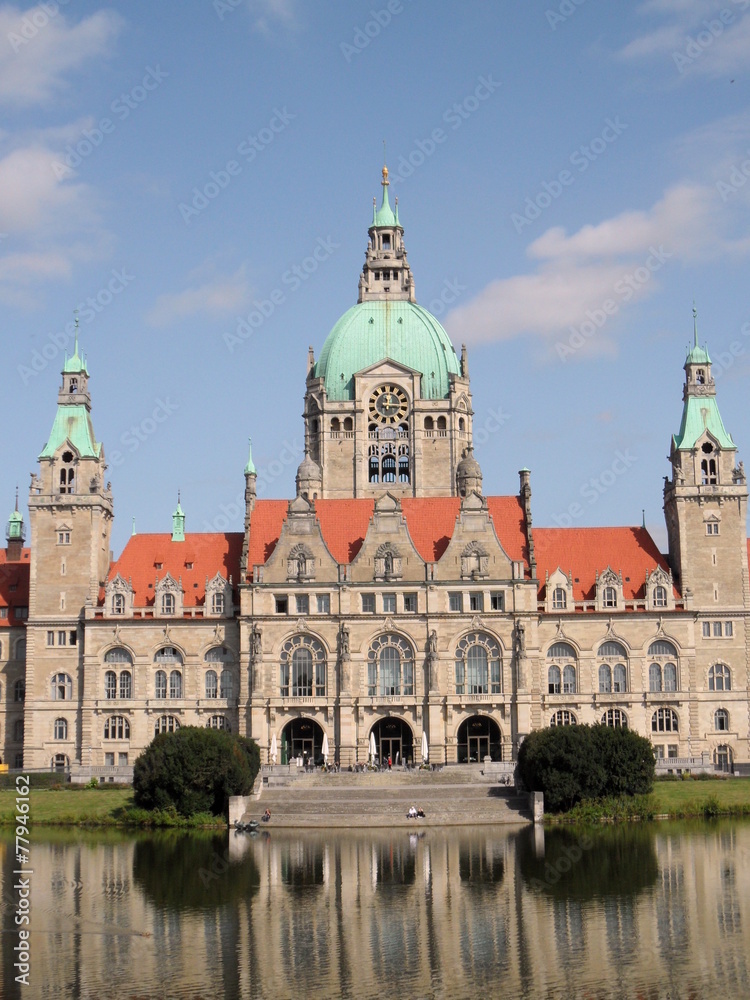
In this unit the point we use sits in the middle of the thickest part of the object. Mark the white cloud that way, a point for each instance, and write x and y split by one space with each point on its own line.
38 49
617 261
213 299
699 37
270 14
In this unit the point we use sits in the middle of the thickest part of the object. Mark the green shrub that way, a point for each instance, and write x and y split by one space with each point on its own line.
194 770
572 763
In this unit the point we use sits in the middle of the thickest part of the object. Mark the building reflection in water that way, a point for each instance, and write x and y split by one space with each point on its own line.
660 909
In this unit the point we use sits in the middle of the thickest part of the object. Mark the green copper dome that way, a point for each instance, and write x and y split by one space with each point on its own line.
397 329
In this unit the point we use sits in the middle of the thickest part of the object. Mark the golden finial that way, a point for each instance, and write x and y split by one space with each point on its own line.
385 182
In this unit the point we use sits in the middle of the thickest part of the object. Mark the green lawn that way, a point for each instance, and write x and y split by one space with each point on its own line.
67 806
673 796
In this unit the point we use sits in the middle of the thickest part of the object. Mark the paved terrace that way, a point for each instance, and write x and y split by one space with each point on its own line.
455 796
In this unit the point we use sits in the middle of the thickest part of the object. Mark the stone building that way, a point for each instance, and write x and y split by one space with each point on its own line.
390 598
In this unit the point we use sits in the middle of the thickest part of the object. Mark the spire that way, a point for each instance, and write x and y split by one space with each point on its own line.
386 274
250 469
384 216
698 355
178 522
16 530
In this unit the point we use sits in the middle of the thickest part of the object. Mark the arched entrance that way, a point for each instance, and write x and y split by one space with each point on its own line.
302 738
479 737
394 739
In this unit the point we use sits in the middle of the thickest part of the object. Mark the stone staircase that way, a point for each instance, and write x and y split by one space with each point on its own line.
455 796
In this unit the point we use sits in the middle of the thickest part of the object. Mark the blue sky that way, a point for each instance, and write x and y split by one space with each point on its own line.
571 175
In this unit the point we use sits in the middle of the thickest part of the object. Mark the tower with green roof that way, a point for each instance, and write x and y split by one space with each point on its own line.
705 501
388 402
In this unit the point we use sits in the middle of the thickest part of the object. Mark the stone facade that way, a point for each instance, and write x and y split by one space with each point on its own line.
390 599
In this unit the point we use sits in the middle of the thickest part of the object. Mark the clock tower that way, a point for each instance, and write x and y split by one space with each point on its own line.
388 403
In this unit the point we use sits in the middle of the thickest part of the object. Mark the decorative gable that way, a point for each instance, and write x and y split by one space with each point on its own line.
118 598
659 590
168 597
388 562
219 597
559 591
609 593
474 562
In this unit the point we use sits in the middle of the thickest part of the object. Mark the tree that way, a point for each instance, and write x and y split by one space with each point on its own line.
570 763
194 770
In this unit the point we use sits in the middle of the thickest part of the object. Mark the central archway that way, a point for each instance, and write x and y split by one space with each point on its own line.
479 737
395 739
302 738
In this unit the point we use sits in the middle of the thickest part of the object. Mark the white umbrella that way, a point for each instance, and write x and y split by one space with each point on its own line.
425 748
373 748
324 748
273 753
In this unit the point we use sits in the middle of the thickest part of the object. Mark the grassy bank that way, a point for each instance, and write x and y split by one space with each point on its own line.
676 799
94 807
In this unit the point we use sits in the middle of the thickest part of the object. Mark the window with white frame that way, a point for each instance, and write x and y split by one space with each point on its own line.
563 718
61 729
615 718
721 720
62 687
719 678
390 666
559 599
166 724
561 671
478 665
302 668
116 727
664 720
218 722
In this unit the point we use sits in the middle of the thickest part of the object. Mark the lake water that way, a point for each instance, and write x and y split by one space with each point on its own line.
651 911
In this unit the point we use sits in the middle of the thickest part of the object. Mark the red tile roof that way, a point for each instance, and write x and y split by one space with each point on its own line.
584 551
209 554
14 586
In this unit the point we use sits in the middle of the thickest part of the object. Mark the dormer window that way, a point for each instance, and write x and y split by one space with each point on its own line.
167 604
559 599
118 604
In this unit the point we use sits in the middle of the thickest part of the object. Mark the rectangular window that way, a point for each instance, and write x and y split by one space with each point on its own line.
497 600
281 604
389 604
717 629
728 629
460 676
61 638
712 528
21 612
122 759
50 638
659 751
3 612
303 604
63 538
284 680
109 760
73 638
706 630
671 750
476 602
368 604
410 602
324 604
455 601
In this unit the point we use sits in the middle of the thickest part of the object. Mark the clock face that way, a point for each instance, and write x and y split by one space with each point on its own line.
388 404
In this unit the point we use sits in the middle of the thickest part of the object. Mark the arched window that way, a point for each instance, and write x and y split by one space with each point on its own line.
478 665
167 604
719 678
118 604
723 758
429 425
554 685
218 722
21 649
168 654
160 684
660 597
721 720
390 667
662 674
441 424
226 688
67 473
612 672
19 690
610 597
60 762
664 720
563 718
335 427
62 687
302 668
61 729
615 718
166 724
116 727
670 677
654 677
348 424
126 684
18 731
175 684
212 684
110 684
561 675
118 655
605 679
559 599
